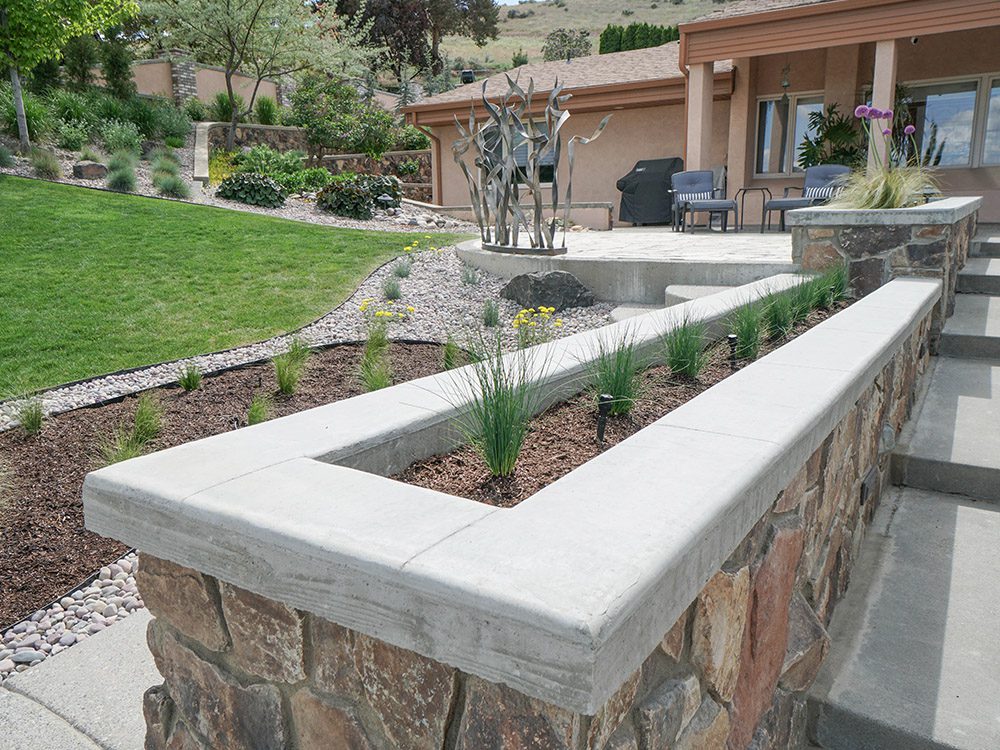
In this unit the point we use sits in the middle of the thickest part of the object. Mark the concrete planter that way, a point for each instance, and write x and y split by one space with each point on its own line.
672 592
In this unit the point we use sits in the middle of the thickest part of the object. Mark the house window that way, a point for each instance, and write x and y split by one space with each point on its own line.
546 169
991 140
944 115
782 125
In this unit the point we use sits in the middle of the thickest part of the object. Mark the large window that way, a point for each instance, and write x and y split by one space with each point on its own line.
546 169
782 124
991 139
944 115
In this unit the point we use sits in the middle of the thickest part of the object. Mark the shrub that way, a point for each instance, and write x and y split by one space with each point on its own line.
35 112
122 160
89 154
747 323
143 113
45 164
779 317
119 135
401 269
116 65
451 354
220 110
408 168
72 135
502 397
172 123
684 349
190 378
30 415
122 180
165 152
174 141
347 195
265 110
172 186
165 165
615 370
103 106
470 276
288 367
220 166
412 139
535 326
260 409
252 189
310 180
70 106
195 109
391 288
148 418
267 161
491 314
6 157
80 56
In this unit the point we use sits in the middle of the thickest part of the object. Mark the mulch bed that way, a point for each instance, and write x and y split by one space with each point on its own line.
44 548
564 436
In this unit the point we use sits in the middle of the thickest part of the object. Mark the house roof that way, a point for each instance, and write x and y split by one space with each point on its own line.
750 7
650 64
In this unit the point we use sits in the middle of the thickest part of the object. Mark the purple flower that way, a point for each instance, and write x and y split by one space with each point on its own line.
874 113
861 111
909 130
887 131
887 114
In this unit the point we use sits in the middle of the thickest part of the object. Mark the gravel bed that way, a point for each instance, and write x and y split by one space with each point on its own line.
442 304
88 610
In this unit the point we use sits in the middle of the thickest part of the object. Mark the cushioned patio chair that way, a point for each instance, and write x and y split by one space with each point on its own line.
695 192
822 183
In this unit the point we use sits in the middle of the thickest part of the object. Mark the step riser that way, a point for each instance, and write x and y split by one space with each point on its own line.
970 347
844 730
968 284
984 249
976 482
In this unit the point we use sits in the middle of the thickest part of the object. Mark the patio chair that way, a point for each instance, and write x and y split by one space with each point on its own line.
695 192
822 183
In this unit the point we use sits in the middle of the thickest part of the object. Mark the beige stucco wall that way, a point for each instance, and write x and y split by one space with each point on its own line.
212 81
153 78
631 135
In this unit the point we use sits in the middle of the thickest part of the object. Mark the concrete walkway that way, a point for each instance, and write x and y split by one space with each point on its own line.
703 246
87 698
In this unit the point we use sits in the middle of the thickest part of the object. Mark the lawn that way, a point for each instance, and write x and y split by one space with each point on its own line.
92 282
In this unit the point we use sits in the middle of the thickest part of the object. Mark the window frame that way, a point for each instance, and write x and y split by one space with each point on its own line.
793 100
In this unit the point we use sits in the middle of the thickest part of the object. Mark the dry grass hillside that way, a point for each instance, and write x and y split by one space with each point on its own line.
542 16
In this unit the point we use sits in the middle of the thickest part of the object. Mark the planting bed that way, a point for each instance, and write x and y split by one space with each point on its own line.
44 548
564 436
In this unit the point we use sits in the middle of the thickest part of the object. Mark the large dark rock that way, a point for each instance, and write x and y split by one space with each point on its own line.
89 170
558 289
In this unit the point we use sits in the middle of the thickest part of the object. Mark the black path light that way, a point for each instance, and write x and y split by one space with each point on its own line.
732 339
604 402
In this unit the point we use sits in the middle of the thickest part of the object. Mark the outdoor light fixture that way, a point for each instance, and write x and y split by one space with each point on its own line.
731 338
604 402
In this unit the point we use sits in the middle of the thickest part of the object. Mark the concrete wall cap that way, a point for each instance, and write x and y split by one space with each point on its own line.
944 211
562 597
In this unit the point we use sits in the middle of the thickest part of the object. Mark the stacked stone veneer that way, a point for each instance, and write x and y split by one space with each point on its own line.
278 137
183 76
243 671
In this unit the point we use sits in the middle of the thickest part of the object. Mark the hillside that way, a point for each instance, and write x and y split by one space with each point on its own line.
536 18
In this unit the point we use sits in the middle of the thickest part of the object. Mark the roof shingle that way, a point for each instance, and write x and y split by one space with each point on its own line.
750 7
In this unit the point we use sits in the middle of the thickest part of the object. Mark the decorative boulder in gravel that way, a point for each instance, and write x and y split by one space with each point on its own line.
558 289
89 170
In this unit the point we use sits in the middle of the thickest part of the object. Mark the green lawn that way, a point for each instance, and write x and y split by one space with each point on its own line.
92 282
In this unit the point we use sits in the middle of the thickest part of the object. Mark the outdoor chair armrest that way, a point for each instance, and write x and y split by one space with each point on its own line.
716 192
790 188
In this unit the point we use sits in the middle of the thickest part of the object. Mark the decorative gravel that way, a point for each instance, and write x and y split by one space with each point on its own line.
88 610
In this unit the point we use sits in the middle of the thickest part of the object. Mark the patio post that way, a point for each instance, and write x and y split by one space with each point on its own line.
701 82
883 92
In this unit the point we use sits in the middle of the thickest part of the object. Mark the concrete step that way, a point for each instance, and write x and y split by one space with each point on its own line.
980 276
952 442
914 661
678 294
973 331
986 244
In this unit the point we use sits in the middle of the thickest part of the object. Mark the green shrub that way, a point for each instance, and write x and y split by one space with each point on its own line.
143 113
81 55
615 370
412 139
172 123
174 142
165 165
119 135
195 109
491 314
72 135
779 317
470 276
220 165
356 196
122 160
70 106
260 409
166 153
172 186
502 397
684 349
148 418
451 355
265 110
310 180
252 189
30 415
6 157
190 378
104 107
267 161
391 288
747 323
122 180
288 367
45 164
220 110
36 112
116 66
89 154
402 267
408 168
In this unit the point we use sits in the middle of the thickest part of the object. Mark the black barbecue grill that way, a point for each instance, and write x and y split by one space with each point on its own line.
646 194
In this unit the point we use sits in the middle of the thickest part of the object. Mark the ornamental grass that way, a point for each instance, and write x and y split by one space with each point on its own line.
615 370
684 349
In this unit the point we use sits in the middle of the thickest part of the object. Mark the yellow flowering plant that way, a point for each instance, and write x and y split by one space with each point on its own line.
536 326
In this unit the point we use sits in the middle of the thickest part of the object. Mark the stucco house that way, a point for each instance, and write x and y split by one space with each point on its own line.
737 90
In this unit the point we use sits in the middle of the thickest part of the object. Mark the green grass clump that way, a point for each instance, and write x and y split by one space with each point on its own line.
747 323
130 442
402 268
148 418
121 446
165 165
684 349
172 186
491 314
89 153
45 164
260 409
502 397
885 188
288 367
470 276
779 316
615 369
451 354
30 415
6 157
829 288
375 368
801 299
391 288
190 378
174 141
122 160
122 180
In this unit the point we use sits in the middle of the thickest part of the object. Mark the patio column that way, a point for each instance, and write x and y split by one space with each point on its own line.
701 82
883 92
740 118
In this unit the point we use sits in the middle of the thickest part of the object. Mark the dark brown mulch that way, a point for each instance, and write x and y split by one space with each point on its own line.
44 548
565 436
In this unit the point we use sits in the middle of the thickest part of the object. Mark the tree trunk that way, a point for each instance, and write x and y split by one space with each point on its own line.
22 120
437 64
234 113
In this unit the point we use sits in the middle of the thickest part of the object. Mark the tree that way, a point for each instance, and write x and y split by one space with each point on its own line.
476 19
80 56
116 64
32 31
263 39
611 39
398 28
564 44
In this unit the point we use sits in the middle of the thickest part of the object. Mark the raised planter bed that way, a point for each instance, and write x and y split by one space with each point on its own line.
511 250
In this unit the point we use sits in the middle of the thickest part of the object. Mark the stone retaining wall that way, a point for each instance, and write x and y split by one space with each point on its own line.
278 137
244 671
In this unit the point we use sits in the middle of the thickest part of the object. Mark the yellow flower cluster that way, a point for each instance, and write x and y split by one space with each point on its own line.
535 318
387 313
414 246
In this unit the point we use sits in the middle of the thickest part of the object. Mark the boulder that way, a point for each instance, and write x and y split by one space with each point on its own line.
89 170
558 289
